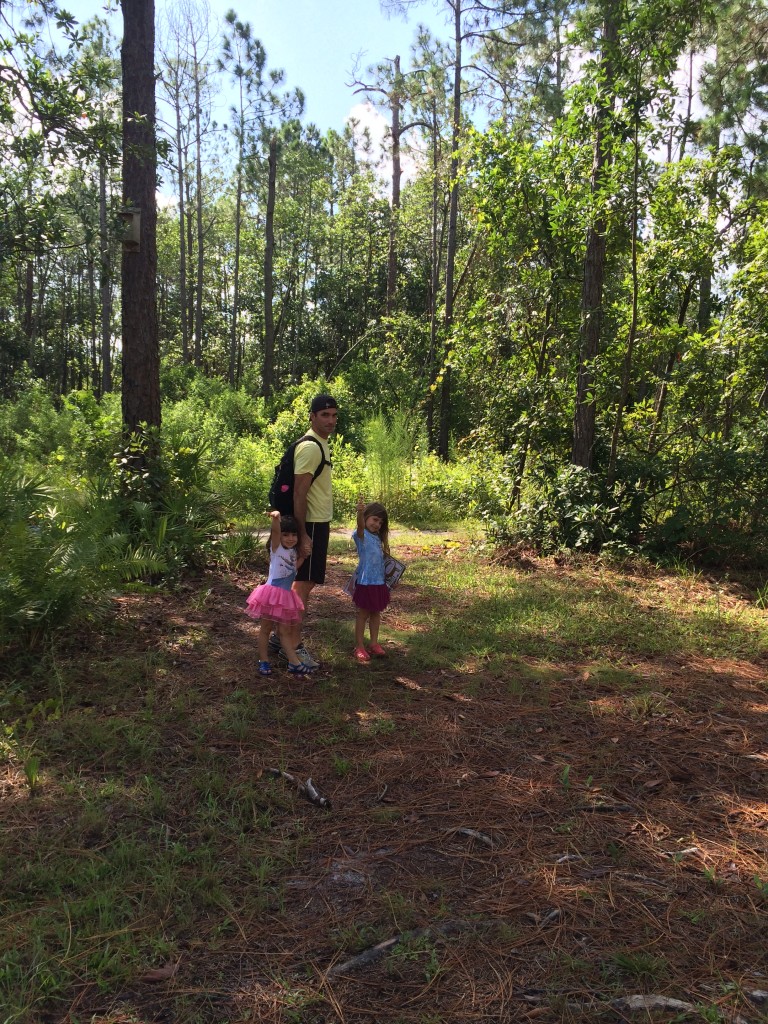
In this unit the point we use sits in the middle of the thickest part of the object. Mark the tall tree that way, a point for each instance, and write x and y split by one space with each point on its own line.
596 244
472 22
258 107
141 352
185 30
389 86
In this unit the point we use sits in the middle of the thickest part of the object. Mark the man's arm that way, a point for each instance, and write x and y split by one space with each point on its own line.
301 484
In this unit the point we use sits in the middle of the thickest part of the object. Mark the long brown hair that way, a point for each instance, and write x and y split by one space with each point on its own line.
377 509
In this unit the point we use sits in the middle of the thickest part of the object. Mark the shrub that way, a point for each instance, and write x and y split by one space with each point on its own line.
170 506
63 556
571 509
244 478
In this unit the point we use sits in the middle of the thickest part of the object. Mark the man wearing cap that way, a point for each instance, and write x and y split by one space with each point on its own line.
313 505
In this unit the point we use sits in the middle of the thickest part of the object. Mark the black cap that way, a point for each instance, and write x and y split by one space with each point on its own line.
322 402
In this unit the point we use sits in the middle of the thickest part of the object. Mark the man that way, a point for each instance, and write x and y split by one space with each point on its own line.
313 506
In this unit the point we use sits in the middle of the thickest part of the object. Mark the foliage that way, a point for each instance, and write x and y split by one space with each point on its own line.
571 510
677 381
64 556
168 504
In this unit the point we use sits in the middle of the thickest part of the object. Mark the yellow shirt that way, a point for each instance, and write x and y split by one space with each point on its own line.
306 459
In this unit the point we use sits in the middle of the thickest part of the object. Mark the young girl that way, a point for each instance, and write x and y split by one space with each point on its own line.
274 602
371 594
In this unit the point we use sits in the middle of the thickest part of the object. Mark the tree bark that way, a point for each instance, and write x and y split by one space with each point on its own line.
453 218
268 373
395 101
105 283
236 268
141 357
180 174
199 224
584 421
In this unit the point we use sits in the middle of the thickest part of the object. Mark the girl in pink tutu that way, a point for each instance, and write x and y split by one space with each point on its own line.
371 594
274 602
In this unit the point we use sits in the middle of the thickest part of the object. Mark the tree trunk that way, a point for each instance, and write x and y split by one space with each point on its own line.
236 271
183 296
632 336
65 286
661 397
453 217
584 421
94 346
141 357
434 283
190 308
268 373
199 223
105 284
394 103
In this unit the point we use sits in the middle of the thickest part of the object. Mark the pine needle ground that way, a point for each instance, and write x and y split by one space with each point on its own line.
547 803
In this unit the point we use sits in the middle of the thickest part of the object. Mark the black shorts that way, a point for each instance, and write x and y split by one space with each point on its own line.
313 568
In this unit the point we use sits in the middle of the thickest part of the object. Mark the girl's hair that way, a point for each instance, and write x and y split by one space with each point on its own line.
289 524
377 509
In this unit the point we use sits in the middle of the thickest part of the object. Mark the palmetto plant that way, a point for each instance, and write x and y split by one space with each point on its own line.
62 557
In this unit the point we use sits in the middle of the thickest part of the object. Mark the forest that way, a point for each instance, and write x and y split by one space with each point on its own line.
540 303
563 295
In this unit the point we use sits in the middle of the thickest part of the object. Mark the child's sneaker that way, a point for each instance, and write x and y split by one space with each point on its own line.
306 658
377 650
360 654
274 643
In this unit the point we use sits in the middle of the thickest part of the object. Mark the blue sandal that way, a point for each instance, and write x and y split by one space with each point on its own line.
265 669
299 669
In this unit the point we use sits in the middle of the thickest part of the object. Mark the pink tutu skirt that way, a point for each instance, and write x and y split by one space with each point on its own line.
371 597
268 602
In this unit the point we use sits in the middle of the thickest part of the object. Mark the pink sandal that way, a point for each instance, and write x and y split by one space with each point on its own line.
377 650
360 654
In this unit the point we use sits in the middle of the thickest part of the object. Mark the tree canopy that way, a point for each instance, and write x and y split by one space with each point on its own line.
571 272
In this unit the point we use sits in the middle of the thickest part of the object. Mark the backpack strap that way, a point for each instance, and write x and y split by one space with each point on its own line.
323 461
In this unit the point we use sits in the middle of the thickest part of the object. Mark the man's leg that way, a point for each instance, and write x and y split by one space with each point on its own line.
304 588
311 574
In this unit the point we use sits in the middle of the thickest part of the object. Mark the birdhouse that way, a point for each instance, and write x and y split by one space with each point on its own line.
131 218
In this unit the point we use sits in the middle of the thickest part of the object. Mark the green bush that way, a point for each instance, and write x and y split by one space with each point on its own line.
292 417
571 509
170 505
31 428
244 478
63 556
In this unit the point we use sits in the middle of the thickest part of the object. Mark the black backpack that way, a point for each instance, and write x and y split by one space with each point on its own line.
281 491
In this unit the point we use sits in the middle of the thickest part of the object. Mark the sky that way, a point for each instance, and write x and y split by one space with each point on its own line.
316 42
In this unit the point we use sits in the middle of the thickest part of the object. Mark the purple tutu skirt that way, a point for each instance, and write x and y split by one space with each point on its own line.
372 597
268 602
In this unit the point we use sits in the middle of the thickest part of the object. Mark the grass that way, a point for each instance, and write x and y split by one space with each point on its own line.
139 831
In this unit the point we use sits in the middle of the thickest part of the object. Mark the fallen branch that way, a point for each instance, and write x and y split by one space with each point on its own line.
312 795
306 789
605 808
473 834
375 953
649 1003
